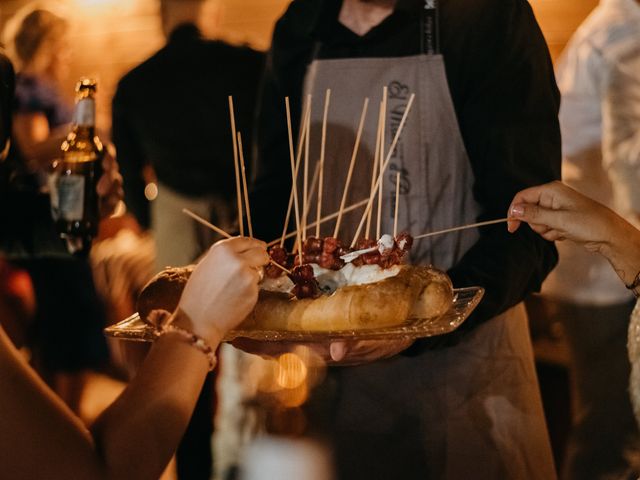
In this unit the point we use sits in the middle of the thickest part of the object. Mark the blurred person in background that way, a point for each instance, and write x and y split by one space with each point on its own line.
66 338
599 79
171 120
171 113
484 125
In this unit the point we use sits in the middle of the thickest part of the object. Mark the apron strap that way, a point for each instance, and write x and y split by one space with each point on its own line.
429 28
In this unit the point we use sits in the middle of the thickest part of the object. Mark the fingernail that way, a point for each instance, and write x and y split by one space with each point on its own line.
516 211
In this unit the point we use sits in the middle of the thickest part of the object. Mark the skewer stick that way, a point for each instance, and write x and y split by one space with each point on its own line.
395 214
244 185
351 165
290 206
350 208
305 183
201 220
464 227
236 165
374 174
387 160
312 190
210 225
327 99
293 178
382 134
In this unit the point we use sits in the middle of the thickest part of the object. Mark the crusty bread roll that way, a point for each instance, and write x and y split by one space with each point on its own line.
419 292
163 291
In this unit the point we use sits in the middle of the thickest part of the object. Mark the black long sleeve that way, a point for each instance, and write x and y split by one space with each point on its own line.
507 104
131 160
504 92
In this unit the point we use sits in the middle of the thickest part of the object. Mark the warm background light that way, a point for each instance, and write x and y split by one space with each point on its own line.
109 37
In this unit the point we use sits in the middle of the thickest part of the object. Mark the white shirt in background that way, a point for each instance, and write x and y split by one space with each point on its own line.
599 78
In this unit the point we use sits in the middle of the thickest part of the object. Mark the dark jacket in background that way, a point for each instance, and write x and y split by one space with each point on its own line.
505 96
172 112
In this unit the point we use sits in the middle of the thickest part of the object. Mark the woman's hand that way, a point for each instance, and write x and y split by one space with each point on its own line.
558 212
109 186
223 288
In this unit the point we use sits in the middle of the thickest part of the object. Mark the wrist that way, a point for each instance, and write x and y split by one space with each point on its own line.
623 252
211 333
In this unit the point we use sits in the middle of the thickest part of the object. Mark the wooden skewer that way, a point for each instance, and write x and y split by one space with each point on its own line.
293 178
312 190
382 134
210 225
464 227
305 179
395 214
201 220
350 208
327 99
244 185
290 206
277 265
236 164
387 160
351 165
374 172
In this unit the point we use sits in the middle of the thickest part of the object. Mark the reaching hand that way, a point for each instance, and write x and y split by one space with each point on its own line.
223 288
557 212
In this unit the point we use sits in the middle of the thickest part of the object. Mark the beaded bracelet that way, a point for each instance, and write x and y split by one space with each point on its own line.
635 286
161 319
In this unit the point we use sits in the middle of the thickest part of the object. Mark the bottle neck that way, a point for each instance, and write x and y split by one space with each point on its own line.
85 115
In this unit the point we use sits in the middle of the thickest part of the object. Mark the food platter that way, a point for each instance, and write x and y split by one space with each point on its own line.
465 301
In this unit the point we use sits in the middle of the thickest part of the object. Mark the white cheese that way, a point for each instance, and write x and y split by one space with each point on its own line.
280 284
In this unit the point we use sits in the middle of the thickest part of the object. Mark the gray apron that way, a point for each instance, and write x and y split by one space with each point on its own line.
469 411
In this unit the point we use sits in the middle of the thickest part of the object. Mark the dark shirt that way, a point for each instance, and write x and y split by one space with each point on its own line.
506 100
172 112
25 211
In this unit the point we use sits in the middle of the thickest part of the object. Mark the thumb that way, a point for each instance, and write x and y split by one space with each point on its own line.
531 213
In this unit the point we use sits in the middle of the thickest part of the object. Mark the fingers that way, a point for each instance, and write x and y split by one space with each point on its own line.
242 244
255 257
338 350
539 218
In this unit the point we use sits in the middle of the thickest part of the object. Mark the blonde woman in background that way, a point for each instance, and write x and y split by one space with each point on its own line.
66 336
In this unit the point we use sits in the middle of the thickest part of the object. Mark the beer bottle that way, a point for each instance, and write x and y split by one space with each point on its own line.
74 200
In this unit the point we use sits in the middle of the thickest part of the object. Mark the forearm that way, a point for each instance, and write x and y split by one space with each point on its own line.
149 418
623 250
41 438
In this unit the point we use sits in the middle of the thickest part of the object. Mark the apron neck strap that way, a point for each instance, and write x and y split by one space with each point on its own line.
429 28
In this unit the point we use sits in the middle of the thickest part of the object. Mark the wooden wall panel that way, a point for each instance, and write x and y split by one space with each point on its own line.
559 19
111 36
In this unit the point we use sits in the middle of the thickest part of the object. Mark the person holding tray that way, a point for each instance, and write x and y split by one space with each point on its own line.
482 127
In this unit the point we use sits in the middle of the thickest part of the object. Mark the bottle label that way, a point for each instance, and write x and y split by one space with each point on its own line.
67 198
85 112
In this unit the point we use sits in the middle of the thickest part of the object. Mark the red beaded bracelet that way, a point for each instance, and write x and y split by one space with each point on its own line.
162 319
635 286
